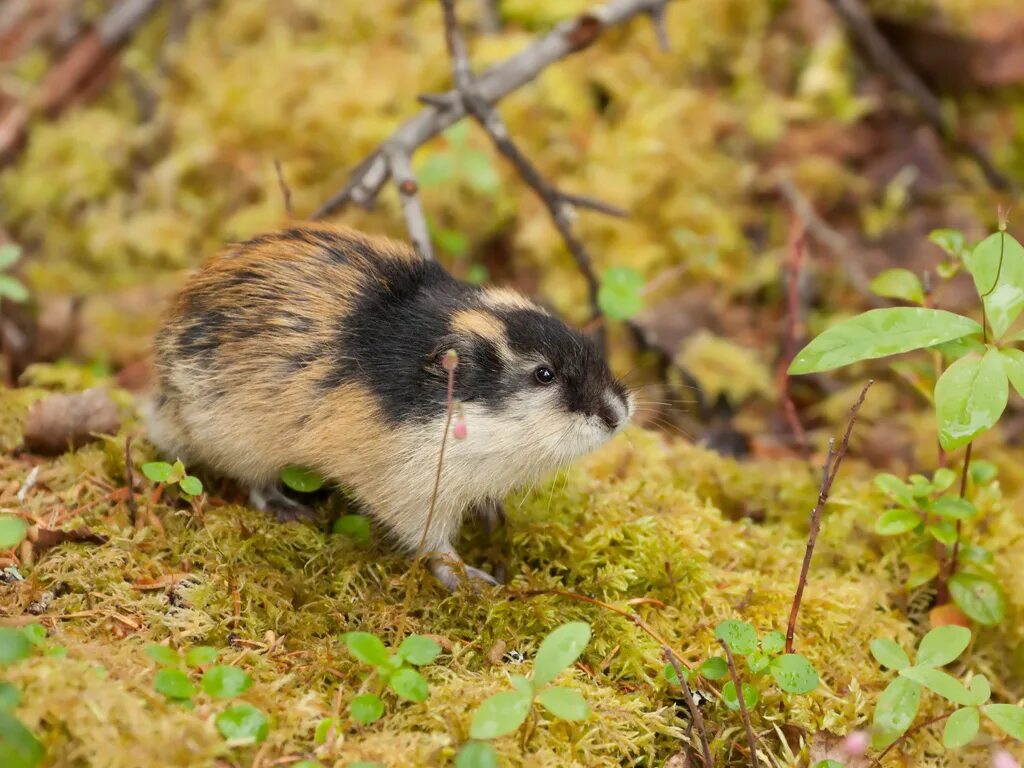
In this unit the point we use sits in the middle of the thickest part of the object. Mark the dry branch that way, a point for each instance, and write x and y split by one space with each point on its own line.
751 739
696 718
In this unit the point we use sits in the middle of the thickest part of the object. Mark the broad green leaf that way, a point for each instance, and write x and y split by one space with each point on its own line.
714 668
983 472
741 636
758 662
997 266
201 655
14 646
889 654
898 284
500 714
1013 364
949 240
367 648
35 633
564 703
9 253
419 650
409 684
943 532
943 479
893 522
162 655
922 574
480 172
366 709
794 674
620 293
939 682
522 684
173 683
13 531
953 508
10 696
476 754
980 597
1009 717
954 350
896 488
970 396
773 642
980 690
177 471
896 709
961 727
920 486
13 289
301 479
191 485
972 553
157 471
559 650
750 696
224 681
354 526
18 747
878 333
672 677
324 728
243 724
942 645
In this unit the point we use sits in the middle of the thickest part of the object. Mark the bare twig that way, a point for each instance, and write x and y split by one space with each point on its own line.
415 219
751 739
877 762
696 718
828 475
950 566
886 60
132 507
451 362
286 192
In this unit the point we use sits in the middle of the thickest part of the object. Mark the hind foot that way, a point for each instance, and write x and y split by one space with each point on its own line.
452 572
271 499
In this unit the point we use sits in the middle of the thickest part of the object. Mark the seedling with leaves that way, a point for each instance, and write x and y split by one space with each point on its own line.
505 712
19 748
10 287
899 703
173 474
181 678
395 671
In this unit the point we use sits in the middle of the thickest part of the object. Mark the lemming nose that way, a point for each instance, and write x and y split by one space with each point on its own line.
608 415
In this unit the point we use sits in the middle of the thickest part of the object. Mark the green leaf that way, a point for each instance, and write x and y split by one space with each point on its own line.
896 708
35 633
191 485
922 574
1013 364
954 350
476 754
201 655
409 684
889 654
997 265
564 703
243 723
436 169
173 683
750 696
162 655
920 486
9 254
898 284
10 696
522 684
980 690
741 636
324 728
878 333
970 396
366 709
559 650
14 646
828 764
307 764
758 662
13 531
773 643
983 472
13 289
500 714
480 171
980 597
225 682
301 479
943 479
620 293
794 674
367 648
939 682
354 526
1009 717
942 645
893 522
714 668
949 240
419 650
18 747
961 727
157 471
943 532
895 488
670 674
953 508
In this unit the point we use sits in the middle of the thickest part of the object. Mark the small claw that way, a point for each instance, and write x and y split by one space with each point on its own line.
453 576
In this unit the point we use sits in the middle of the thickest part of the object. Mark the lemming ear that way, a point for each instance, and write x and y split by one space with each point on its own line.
435 360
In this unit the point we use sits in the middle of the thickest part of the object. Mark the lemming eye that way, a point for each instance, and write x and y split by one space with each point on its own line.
544 375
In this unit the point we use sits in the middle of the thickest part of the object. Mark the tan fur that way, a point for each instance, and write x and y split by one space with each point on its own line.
505 297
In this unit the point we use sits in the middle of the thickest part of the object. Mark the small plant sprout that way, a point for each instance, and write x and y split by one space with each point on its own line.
505 712
173 474
19 748
13 531
395 671
620 295
898 705
10 287
302 479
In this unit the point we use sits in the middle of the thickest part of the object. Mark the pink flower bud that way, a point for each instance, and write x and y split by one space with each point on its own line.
1003 759
856 743
459 430
1004 216
451 360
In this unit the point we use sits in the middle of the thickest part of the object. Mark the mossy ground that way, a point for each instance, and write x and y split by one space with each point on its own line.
646 517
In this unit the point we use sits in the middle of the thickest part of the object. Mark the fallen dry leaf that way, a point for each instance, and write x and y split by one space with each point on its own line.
941 615
46 538
59 422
